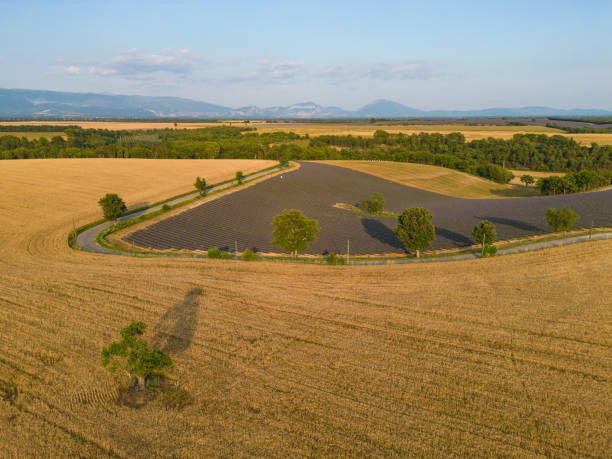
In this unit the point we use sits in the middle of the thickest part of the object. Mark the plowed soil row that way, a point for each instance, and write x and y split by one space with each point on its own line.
243 219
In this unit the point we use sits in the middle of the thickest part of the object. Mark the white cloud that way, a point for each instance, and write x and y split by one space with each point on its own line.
390 70
132 64
101 71
73 70
270 71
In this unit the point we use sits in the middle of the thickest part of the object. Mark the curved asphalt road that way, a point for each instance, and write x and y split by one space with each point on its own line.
87 239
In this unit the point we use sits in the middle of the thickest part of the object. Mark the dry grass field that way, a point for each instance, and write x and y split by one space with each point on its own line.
507 356
35 135
436 179
517 176
316 129
113 125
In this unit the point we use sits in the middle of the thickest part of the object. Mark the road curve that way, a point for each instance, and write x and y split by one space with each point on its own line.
87 239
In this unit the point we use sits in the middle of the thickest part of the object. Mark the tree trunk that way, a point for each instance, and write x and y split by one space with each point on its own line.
140 383
418 253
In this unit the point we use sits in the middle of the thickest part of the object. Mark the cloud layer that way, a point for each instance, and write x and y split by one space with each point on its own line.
167 65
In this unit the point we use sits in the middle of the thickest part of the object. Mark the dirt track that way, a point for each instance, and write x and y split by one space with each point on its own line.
245 217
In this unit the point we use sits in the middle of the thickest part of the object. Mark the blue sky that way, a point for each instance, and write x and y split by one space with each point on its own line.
428 55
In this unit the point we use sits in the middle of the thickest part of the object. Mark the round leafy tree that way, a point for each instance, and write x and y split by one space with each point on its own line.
527 179
484 233
561 220
134 355
415 229
200 185
293 231
112 206
239 177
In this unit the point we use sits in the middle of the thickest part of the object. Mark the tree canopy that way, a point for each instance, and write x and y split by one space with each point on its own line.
527 179
293 231
561 220
113 206
200 185
415 229
134 355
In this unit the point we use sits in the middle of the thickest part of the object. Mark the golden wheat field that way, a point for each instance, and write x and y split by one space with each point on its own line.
35 135
316 129
508 356
535 174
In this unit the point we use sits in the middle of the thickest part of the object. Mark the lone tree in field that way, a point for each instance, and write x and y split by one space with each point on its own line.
527 179
293 231
200 185
112 206
415 229
374 205
239 177
561 220
134 355
484 233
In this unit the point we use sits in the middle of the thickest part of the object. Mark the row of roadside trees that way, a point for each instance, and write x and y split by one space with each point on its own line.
293 231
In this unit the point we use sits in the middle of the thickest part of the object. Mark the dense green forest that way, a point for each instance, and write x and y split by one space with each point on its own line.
486 158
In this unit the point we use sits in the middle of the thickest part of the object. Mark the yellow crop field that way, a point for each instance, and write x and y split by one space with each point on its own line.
507 356
34 135
316 129
437 179
535 174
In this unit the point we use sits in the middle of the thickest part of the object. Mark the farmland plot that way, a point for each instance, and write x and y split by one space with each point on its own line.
499 357
243 219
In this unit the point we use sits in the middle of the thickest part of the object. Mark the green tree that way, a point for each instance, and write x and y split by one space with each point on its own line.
561 220
415 229
527 179
200 185
484 233
134 355
293 231
239 177
374 205
112 206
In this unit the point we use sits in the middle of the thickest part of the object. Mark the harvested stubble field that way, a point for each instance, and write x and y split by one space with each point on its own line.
470 132
35 135
508 356
316 129
535 174
243 219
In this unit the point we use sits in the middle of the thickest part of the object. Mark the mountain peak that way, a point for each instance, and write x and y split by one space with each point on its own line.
23 103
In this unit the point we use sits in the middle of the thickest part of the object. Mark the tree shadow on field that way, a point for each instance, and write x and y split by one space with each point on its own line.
380 231
174 331
458 239
511 222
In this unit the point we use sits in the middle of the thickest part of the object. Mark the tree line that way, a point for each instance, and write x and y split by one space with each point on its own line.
487 158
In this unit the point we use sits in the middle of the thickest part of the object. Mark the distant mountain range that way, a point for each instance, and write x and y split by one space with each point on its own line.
16 103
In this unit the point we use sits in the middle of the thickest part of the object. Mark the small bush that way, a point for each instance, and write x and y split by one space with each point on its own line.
214 253
334 259
249 255
489 250
226 255
165 207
